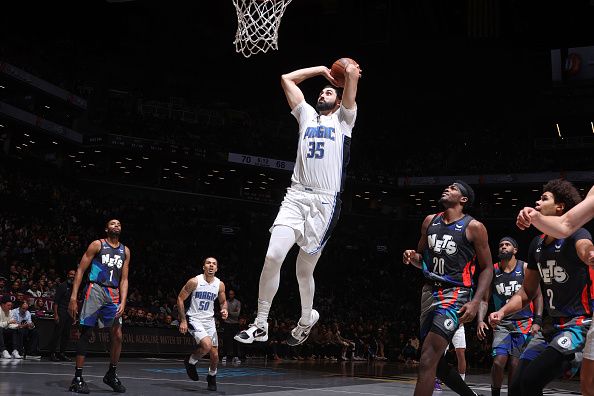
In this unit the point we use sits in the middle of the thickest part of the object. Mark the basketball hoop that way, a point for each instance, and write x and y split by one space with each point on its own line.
257 25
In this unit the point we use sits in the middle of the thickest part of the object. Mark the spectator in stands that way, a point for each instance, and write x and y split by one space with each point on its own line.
34 289
28 338
5 326
3 286
62 320
39 309
346 345
16 287
231 327
150 319
50 290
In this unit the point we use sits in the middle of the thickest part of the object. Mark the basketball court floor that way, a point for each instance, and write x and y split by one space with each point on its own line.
167 377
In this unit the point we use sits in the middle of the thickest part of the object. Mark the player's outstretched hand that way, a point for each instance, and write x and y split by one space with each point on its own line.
524 219
481 331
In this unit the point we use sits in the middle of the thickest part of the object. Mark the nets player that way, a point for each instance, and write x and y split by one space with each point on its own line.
312 203
450 244
104 301
512 335
558 266
203 290
563 227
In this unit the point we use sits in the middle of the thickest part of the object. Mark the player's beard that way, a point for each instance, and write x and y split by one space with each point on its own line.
324 106
113 234
506 256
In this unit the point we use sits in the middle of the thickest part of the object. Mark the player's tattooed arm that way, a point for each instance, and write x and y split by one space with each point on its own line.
185 292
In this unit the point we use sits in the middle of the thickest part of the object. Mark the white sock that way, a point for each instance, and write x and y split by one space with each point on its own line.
463 375
212 372
194 359
305 316
263 310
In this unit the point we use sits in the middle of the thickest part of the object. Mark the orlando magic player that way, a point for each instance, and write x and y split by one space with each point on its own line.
311 206
104 301
562 227
558 265
451 242
203 290
512 335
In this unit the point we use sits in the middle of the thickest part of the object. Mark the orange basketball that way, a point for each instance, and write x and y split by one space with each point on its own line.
338 68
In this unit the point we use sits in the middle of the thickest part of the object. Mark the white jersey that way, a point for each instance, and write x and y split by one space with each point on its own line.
203 298
324 145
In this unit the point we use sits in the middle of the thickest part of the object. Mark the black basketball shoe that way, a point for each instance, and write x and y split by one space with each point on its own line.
191 369
78 385
212 382
114 382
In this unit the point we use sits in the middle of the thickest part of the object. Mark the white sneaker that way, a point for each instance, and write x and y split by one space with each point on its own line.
300 333
236 360
33 357
15 355
253 333
6 355
224 360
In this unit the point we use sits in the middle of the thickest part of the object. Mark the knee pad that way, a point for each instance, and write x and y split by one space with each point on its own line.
83 341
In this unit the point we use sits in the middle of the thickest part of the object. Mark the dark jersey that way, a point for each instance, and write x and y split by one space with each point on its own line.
106 267
505 285
449 258
565 280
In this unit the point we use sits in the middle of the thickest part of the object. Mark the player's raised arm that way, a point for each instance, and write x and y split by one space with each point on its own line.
290 81
351 82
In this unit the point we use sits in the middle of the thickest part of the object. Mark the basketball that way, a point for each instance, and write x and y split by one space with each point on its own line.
338 68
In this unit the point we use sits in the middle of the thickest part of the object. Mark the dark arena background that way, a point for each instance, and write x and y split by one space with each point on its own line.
143 111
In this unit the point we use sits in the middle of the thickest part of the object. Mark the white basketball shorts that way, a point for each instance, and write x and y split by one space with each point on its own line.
200 328
312 212
459 338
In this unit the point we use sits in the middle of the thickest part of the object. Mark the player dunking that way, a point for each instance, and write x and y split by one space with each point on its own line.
450 243
311 205
105 301
203 290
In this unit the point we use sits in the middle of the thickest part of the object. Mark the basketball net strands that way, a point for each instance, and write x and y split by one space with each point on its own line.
257 25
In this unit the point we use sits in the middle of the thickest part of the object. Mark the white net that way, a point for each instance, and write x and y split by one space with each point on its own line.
257 25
